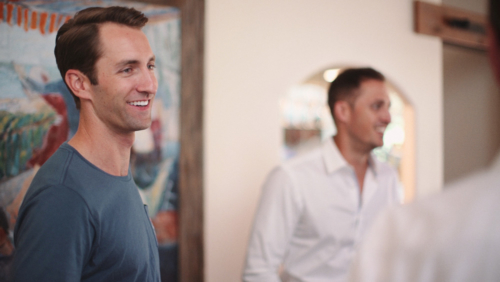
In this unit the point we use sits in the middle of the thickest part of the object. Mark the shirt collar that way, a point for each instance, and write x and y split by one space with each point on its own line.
334 160
373 163
332 156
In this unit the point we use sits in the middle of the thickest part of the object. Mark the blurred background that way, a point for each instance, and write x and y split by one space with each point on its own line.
258 53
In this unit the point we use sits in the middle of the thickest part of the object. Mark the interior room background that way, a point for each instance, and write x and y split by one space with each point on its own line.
257 51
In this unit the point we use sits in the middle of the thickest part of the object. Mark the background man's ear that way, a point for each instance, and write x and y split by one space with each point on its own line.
342 111
78 83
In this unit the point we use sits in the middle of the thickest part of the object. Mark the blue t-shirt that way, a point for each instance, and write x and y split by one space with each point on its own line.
79 223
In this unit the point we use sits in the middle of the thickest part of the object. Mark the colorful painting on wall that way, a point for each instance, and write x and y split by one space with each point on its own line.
38 114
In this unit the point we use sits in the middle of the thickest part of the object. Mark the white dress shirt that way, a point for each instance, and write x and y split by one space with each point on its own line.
453 236
311 216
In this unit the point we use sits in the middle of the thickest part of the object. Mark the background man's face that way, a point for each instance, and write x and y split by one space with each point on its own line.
127 84
369 115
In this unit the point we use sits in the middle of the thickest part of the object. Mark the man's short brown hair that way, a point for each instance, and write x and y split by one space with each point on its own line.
345 86
77 41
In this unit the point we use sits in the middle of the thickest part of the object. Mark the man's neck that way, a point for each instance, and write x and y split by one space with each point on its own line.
354 156
108 150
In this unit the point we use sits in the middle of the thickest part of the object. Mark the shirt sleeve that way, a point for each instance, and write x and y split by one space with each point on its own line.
53 237
275 220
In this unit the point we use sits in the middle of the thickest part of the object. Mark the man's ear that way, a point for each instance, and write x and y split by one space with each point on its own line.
78 83
342 111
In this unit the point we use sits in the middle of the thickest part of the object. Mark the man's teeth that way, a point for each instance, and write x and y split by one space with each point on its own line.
380 129
139 103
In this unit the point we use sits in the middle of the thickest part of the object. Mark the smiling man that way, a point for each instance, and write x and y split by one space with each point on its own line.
314 209
82 218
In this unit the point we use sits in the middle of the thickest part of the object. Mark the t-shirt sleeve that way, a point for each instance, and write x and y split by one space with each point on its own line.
53 236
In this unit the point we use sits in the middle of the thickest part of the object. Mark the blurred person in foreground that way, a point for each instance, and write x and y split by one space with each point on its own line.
452 236
315 208
82 218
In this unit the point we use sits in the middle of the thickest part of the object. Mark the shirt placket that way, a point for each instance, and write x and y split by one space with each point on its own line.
357 201
368 190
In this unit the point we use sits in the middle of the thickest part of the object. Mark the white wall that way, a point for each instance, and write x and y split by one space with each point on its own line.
471 100
471 116
255 51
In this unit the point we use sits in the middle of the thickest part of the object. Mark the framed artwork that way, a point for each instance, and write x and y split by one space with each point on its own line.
38 114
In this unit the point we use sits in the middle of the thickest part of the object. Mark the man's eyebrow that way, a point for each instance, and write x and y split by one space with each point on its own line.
133 62
127 62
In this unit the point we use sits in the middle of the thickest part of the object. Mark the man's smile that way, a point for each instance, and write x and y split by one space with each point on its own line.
380 129
142 103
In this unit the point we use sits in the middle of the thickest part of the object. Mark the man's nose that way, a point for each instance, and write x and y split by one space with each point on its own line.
386 116
148 83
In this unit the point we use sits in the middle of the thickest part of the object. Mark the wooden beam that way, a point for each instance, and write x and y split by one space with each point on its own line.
452 25
191 250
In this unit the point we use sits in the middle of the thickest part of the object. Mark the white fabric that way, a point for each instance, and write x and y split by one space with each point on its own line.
310 216
452 236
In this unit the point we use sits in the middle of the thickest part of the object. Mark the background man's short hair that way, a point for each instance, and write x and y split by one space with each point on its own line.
344 87
77 41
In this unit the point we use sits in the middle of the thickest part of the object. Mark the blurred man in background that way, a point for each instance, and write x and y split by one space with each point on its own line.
314 209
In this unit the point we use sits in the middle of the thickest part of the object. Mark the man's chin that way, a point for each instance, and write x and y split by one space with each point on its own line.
377 145
139 127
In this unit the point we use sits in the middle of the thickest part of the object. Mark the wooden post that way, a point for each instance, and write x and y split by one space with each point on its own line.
191 250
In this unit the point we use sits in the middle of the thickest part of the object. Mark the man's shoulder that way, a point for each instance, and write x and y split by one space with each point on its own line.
312 158
457 228
297 167
68 168
52 172
462 193
469 201
66 172
384 168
